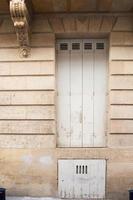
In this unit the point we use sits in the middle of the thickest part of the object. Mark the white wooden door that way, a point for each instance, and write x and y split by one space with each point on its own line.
82 179
81 93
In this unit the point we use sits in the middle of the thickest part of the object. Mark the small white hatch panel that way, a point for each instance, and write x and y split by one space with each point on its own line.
81 179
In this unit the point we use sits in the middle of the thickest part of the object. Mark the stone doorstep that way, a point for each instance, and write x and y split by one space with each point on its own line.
30 198
39 198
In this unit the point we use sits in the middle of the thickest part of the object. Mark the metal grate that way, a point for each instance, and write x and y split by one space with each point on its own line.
76 46
87 46
100 45
81 169
64 46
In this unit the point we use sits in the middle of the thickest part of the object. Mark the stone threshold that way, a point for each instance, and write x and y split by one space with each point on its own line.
31 198
41 198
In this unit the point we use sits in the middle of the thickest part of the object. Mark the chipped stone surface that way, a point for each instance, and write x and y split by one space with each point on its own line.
30 198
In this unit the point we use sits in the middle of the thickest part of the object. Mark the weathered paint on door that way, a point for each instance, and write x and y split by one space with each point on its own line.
81 179
81 92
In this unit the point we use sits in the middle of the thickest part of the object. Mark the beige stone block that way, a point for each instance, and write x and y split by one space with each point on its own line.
7 26
57 24
107 24
27 83
37 40
121 53
27 112
121 97
69 24
121 38
46 40
27 127
82 24
27 97
27 141
121 82
94 24
121 67
41 25
121 112
30 172
119 179
120 141
41 54
123 24
121 126
27 68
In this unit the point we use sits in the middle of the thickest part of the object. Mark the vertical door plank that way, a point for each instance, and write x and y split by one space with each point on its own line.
96 178
77 181
63 98
65 176
100 90
88 60
92 180
101 175
85 180
76 97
